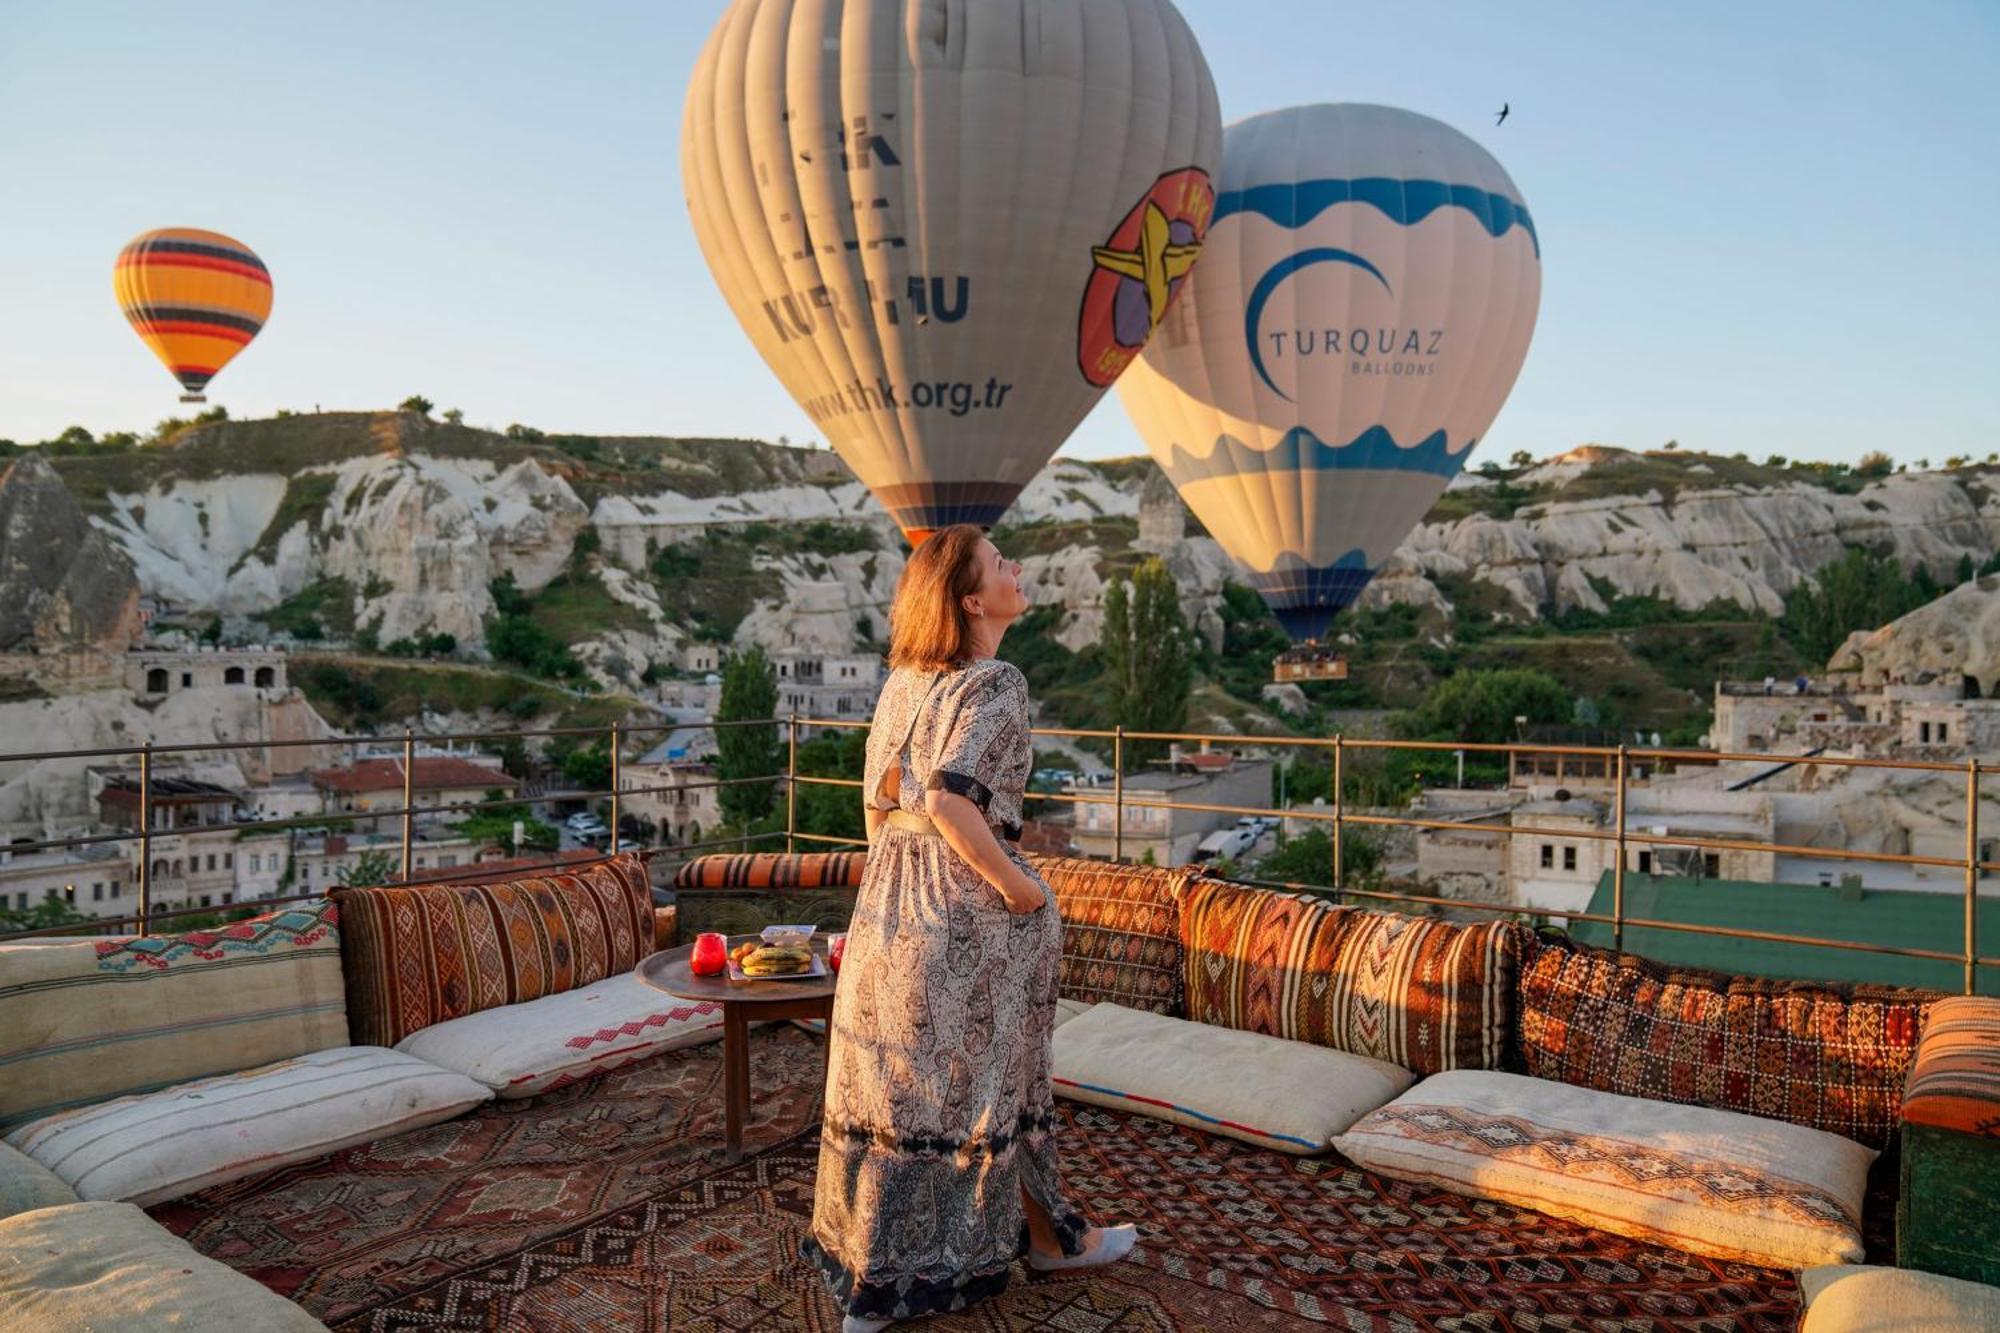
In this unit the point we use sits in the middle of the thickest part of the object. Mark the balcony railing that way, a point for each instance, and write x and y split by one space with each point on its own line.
1621 760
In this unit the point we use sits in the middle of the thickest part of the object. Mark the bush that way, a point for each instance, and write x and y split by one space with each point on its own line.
417 403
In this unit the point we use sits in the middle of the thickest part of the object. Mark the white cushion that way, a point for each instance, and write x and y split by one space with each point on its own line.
25 1184
519 1050
1264 1090
1860 1299
160 1145
109 1268
1708 1182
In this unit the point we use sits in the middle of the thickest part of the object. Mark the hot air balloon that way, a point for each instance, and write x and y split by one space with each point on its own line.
196 297
948 228
1364 302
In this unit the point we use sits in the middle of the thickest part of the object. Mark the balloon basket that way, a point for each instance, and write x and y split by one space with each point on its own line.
194 397
1308 661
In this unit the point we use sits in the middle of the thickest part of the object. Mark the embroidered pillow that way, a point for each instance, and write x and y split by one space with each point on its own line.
101 1018
1954 1082
773 870
1121 932
423 953
1708 1182
1263 1090
1425 994
1830 1057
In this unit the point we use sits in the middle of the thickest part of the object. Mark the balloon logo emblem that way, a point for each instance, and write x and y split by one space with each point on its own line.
1138 271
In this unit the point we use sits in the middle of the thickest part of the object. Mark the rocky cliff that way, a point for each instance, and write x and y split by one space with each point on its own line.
409 522
65 586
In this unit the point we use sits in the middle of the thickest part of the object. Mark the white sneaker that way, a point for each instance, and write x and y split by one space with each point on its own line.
1101 1245
854 1323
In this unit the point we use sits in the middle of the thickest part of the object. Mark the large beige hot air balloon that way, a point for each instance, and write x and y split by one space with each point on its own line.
949 226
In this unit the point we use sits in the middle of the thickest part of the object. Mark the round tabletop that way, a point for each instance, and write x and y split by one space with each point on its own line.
669 971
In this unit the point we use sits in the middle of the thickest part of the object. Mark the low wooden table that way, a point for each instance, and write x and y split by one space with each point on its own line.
743 1003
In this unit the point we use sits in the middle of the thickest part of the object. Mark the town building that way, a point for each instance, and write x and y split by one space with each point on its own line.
192 848
668 786
1170 836
95 880
438 781
155 673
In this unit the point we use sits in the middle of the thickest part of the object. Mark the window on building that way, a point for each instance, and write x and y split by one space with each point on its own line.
156 681
187 680
207 900
229 860
265 678
1548 856
97 891
1569 858
1645 860
228 898
1711 864
233 676
211 860
20 902
256 862
117 889
446 860
1941 736
1923 733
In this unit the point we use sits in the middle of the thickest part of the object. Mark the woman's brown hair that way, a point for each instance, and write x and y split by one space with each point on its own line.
928 626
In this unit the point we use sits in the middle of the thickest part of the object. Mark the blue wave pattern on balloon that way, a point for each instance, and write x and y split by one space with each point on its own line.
1300 450
1407 201
1306 598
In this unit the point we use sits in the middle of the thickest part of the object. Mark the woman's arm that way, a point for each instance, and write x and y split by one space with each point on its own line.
966 831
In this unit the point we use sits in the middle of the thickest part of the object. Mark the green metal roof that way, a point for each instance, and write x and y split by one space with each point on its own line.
1903 919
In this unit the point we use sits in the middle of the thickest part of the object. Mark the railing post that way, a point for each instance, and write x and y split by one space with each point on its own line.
792 783
1339 784
1118 793
146 838
409 788
614 789
1618 850
1972 877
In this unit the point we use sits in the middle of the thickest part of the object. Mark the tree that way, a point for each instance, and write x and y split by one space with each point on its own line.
589 769
749 692
833 811
47 914
1308 859
373 866
1861 590
1479 706
454 417
1520 458
212 633
514 757
1148 655
417 403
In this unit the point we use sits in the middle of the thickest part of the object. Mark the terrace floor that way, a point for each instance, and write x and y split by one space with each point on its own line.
608 1205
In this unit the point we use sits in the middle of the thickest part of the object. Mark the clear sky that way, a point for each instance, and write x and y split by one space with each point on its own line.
1766 227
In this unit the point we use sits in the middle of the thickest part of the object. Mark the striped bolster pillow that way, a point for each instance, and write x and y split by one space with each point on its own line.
773 870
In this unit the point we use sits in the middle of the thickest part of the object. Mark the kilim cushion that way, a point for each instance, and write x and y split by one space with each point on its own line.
1708 1182
421 954
25 1184
525 1049
109 1268
161 1145
1263 1090
85 1021
1848 1298
1831 1057
1424 994
773 870
1955 1080
1121 932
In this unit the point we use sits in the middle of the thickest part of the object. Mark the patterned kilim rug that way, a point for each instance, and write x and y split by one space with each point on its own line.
607 1205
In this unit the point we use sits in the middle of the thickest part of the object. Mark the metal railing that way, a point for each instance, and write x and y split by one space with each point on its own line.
1336 816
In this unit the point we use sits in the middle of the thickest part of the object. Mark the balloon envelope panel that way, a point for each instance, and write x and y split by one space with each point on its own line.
947 226
1364 302
195 297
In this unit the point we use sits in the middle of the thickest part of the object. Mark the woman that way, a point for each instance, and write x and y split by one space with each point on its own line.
937 1162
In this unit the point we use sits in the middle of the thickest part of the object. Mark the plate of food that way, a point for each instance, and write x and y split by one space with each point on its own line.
753 960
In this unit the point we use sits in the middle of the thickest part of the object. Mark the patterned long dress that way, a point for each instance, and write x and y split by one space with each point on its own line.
938 1105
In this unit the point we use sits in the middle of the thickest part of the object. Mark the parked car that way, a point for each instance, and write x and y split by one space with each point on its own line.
584 824
1226 844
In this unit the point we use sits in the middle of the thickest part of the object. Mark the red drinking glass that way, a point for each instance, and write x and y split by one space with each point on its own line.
711 955
836 948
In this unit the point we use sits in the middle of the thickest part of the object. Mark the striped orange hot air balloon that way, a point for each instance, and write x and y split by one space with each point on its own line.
196 297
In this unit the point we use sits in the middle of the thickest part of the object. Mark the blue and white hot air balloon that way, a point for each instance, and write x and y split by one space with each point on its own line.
1363 303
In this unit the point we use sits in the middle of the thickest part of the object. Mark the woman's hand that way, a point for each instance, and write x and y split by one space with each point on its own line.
964 827
1024 895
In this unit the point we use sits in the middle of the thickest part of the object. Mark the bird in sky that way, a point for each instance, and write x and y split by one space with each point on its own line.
1503 113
